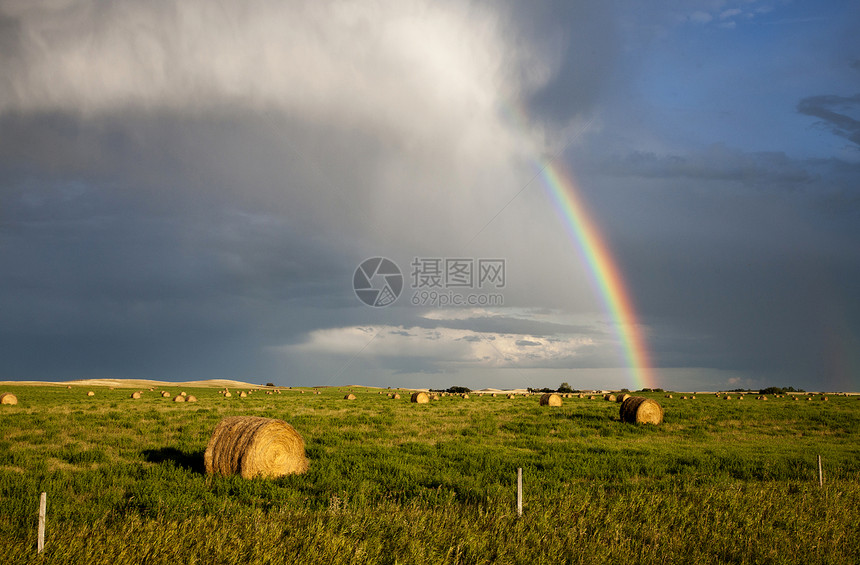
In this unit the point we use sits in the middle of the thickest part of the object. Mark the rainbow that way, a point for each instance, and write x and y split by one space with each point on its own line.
607 277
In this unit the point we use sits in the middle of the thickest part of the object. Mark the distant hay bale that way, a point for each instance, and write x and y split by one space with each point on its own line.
69 386
178 398
227 394
641 410
349 396
395 396
591 397
580 395
8 398
251 446
693 397
510 396
824 398
494 395
165 394
243 394
182 393
135 395
622 397
91 393
465 396
727 397
550 399
190 398
419 398
609 397
668 396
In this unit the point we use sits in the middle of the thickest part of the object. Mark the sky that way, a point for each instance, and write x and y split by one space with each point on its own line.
609 194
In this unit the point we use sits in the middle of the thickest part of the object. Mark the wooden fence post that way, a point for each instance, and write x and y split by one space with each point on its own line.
42 506
820 474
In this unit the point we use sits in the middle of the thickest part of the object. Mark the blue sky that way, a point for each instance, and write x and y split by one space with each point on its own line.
186 189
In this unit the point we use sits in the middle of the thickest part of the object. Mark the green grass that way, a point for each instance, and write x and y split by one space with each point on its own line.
391 482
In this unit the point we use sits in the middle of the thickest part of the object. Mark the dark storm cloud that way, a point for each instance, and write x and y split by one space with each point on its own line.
834 110
579 41
718 162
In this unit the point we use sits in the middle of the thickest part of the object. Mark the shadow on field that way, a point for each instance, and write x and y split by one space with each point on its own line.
192 461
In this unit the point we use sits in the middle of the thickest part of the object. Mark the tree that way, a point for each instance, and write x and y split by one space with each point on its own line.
564 387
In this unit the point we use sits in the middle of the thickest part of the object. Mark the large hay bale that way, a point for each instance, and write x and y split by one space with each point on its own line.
349 396
182 393
91 393
243 394
228 394
179 398
396 396
251 446
550 399
420 398
135 395
609 397
465 396
641 410
8 398
165 394
190 398
622 397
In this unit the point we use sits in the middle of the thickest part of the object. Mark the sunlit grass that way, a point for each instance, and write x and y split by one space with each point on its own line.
719 481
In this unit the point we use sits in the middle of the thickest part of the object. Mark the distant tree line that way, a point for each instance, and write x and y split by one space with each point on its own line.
779 390
453 389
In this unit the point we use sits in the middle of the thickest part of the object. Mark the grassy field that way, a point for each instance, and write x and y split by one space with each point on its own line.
721 481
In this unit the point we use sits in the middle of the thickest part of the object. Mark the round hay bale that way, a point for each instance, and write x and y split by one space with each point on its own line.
227 394
693 397
349 396
8 398
465 396
641 410
622 397
190 398
609 397
251 446
550 399
419 398
182 393
178 398
591 397
668 396
510 396
494 395
135 395
824 398
727 397
69 387
165 394
91 393
243 394
396 396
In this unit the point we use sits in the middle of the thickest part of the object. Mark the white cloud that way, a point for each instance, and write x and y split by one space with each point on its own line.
730 13
701 17
452 347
